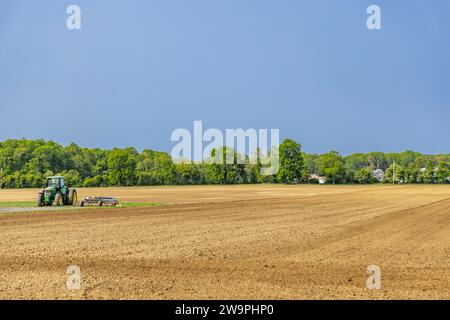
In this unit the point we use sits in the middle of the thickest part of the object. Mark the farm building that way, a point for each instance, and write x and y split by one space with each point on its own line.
322 180
378 174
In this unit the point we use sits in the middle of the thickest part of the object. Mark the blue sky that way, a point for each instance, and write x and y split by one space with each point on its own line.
140 69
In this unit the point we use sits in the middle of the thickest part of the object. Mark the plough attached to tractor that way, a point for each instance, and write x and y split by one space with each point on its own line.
99 201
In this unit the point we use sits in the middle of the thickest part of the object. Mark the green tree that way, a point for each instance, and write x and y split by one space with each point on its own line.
188 173
377 160
332 167
50 156
429 174
215 169
155 168
71 178
356 162
443 173
364 176
312 165
394 173
122 167
291 168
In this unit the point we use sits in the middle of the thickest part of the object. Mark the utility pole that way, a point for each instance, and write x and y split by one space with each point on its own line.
393 173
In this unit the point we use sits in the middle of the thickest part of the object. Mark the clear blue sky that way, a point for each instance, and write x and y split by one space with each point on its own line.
140 69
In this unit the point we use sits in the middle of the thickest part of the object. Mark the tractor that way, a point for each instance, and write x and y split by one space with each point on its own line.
56 192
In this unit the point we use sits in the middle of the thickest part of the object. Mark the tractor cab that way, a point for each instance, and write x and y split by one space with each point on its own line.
55 182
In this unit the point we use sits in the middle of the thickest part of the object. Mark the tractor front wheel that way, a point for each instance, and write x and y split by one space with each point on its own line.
40 199
58 200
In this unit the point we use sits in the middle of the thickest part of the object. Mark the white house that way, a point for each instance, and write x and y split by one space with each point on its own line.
321 179
378 174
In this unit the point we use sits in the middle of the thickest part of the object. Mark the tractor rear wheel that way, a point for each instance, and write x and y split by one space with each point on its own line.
40 199
73 197
58 200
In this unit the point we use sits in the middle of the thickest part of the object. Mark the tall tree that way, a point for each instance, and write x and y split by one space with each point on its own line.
291 162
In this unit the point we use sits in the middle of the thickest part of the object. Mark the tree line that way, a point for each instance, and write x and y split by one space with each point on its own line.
26 163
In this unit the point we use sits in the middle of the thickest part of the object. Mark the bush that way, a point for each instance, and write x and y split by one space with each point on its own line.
364 176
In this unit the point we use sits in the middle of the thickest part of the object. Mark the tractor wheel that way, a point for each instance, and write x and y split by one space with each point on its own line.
58 200
40 199
73 197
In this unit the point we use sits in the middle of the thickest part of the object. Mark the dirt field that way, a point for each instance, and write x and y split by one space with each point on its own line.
233 242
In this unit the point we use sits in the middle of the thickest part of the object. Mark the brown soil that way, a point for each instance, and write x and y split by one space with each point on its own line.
233 242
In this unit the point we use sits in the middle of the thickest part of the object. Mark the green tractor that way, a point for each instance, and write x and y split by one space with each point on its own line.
56 192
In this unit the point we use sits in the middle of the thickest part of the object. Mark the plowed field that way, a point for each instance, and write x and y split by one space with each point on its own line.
233 242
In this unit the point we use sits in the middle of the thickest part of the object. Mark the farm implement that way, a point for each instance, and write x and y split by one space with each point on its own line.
99 201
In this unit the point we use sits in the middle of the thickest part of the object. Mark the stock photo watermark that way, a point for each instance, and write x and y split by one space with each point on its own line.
374 20
73 277
374 279
263 143
73 21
